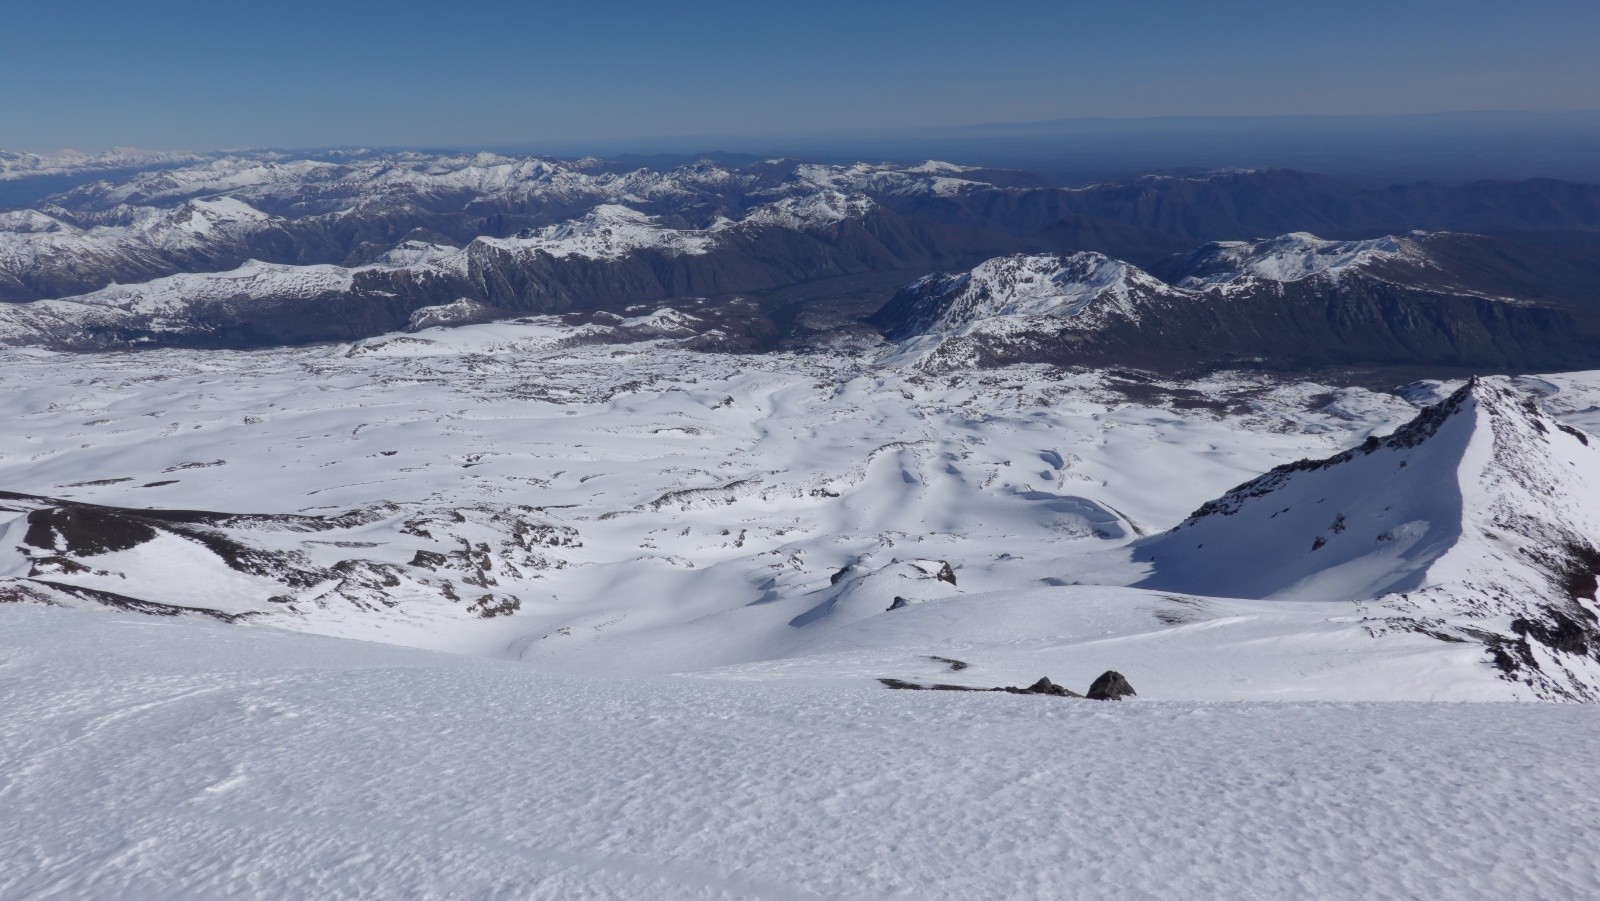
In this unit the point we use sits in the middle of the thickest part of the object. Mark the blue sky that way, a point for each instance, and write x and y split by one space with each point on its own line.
185 74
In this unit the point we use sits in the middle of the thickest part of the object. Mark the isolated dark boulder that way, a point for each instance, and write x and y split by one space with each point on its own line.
1111 686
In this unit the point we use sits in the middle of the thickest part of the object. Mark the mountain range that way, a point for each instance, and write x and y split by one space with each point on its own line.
1268 267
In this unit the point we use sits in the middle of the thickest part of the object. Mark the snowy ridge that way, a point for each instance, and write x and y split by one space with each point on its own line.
943 316
1477 519
335 182
608 232
30 238
168 303
1293 257
1081 289
816 210
26 165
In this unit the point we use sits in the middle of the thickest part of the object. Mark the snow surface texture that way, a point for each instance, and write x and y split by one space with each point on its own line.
161 760
671 582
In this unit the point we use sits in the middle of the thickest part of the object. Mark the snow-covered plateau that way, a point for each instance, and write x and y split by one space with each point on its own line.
532 609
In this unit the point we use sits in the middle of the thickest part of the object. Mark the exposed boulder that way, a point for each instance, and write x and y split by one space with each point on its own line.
1111 686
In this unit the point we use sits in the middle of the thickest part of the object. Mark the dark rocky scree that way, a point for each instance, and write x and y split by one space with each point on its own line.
1110 686
64 537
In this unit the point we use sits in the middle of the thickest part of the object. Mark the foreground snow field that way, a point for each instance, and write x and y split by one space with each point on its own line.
144 758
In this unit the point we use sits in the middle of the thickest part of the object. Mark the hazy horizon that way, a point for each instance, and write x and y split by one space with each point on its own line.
179 73
1444 146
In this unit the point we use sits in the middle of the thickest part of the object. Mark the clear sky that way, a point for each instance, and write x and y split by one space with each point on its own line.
188 74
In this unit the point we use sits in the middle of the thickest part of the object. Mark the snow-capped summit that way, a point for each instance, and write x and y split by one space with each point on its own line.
1291 258
1076 291
960 319
816 210
1477 521
203 216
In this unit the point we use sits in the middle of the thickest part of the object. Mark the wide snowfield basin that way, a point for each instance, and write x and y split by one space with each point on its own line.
163 759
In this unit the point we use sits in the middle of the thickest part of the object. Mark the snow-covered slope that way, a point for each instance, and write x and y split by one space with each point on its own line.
595 496
951 320
44 255
1477 521
192 759
1035 286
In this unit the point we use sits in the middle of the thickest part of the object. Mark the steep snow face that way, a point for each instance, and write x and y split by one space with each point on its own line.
1479 519
1293 257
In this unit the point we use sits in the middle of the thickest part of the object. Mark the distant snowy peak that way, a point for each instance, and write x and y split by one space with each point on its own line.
176 304
608 232
612 231
1478 520
26 236
815 210
26 165
203 216
1291 258
32 222
1076 291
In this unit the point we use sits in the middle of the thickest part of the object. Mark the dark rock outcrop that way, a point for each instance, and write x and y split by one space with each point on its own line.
1111 686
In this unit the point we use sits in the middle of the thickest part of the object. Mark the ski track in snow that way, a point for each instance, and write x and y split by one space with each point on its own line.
190 759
